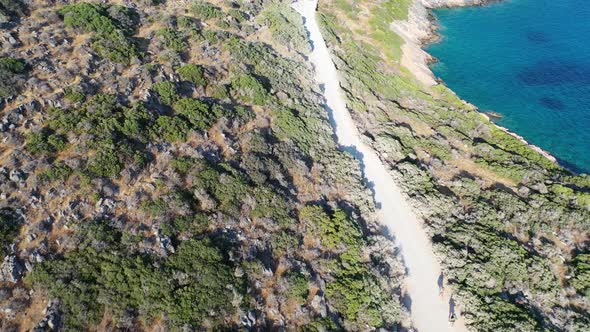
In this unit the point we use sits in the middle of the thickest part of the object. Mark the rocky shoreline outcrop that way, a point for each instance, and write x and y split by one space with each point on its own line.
420 29
454 3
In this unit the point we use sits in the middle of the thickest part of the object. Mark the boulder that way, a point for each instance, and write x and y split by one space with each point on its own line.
11 269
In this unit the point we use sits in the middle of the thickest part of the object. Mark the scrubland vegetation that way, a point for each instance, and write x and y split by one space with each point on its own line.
511 226
170 165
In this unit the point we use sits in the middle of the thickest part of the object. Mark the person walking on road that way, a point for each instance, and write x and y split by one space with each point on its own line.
441 285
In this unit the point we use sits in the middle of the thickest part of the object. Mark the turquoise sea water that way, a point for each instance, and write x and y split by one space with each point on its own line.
528 60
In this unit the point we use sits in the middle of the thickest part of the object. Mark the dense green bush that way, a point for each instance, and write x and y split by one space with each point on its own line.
171 129
192 73
249 90
287 125
166 91
200 115
106 162
188 23
73 96
183 164
204 10
12 65
581 275
9 228
115 46
10 68
353 290
297 286
44 142
56 172
110 37
286 26
172 39
154 207
89 17
191 287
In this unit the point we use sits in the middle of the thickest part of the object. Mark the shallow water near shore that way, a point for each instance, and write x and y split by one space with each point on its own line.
528 60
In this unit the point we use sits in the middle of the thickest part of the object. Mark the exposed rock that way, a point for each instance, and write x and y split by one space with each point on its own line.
52 319
16 175
318 303
11 269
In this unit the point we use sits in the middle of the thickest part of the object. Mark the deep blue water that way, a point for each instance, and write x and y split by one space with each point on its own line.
528 60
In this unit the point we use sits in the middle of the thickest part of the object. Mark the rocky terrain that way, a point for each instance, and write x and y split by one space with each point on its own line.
169 165
510 225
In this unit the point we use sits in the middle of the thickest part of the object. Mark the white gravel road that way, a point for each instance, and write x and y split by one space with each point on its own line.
429 311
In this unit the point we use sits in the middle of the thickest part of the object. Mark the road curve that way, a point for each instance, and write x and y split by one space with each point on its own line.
429 311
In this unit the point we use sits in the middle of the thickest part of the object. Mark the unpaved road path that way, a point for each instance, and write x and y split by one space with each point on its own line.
429 311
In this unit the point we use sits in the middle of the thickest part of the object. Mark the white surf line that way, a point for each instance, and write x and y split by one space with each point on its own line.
429 311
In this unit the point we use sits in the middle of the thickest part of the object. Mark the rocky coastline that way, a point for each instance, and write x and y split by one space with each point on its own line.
420 29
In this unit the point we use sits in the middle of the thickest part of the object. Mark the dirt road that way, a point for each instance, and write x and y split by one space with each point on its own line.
429 311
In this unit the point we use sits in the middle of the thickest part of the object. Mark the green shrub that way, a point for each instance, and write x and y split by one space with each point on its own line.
187 22
237 14
171 129
183 164
284 243
225 184
13 65
154 207
191 287
205 10
9 228
354 292
106 163
321 325
57 142
116 47
185 224
192 73
297 287
286 26
243 113
57 172
581 269
110 39
166 91
89 17
220 91
173 39
9 69
136 122
43 142
288 125
197 113
73 96
248 89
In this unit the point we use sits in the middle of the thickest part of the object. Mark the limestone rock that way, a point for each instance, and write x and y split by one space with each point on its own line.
11 269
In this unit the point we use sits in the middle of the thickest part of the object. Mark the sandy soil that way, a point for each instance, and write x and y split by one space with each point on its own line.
429 311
